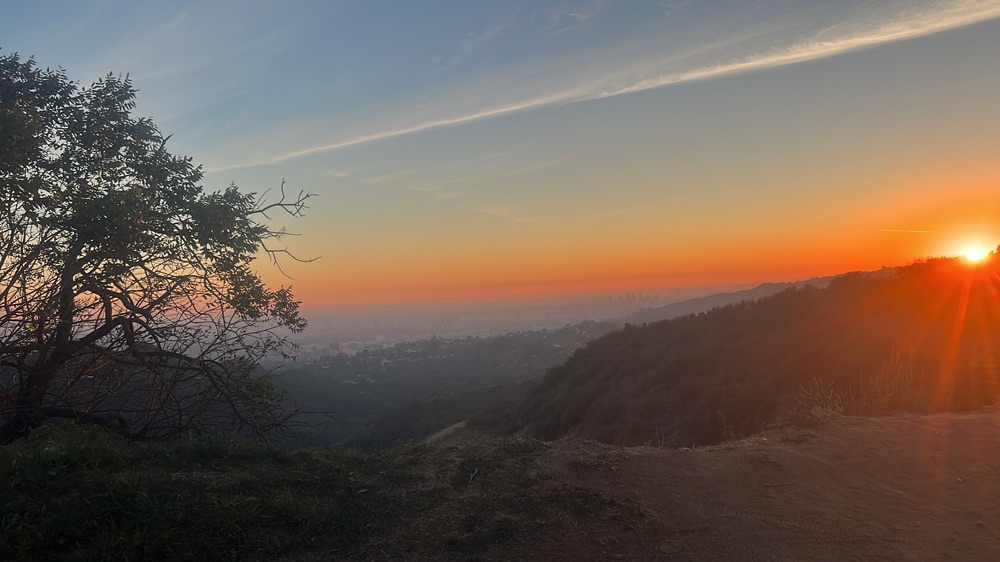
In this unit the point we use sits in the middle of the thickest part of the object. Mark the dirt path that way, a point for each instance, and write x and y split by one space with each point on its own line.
896 488
901 488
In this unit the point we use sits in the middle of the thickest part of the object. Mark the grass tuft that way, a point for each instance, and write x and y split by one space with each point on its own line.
894 388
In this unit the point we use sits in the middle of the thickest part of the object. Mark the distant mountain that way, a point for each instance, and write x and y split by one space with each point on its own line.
706 303
920 338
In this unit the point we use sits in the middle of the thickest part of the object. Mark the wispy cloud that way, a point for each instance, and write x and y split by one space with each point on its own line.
509 215
568 19
825 44
463 169
334 173
446 181
622 212
902 231
395 133
216 52
834 40
435 190
476 41
671 6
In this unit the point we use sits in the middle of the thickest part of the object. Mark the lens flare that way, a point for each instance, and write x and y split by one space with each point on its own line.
975 254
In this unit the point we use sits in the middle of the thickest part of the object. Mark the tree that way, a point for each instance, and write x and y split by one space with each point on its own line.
127 293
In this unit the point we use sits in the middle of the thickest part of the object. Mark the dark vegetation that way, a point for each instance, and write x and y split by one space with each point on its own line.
392 396
128 297
921 338
84 493
706 303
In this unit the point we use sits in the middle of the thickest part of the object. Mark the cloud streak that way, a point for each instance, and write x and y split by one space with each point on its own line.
441 181
509 216
823 44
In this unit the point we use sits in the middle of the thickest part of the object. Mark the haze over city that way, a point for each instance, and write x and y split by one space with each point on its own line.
480 151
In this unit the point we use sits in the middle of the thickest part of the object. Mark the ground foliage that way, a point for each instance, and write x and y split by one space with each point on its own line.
404 392
84 493
918 338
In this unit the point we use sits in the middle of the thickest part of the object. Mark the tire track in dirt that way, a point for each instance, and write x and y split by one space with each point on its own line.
898 488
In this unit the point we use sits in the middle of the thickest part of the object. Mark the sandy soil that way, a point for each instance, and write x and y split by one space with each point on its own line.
910 487
903 488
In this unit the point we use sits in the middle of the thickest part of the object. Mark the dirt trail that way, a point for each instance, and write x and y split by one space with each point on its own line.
903 488
911 487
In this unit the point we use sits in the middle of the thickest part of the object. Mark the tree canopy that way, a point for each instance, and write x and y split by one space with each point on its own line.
128 295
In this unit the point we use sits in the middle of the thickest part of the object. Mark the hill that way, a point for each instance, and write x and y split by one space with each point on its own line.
905 487
708 302
919 338
384 397
401 394
908 487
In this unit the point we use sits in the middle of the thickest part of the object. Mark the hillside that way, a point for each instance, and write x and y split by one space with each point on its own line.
708 302
396 395
920 338
384 397
907 487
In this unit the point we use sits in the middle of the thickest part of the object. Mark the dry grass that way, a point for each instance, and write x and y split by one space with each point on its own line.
893 389
76 493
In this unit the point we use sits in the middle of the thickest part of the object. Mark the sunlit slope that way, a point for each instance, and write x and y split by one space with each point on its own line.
920 338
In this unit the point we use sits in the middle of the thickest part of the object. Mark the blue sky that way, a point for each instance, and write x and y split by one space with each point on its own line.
486 148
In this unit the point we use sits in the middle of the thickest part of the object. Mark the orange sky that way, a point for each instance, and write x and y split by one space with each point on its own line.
867 159
481 150
885 231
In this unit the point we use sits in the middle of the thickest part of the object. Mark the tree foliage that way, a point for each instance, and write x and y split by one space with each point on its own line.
127 292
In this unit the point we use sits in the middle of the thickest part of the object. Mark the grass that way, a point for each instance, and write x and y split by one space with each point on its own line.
893 389
75 493
83 494
79 493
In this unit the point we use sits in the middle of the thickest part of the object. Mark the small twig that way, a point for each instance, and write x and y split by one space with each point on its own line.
474 473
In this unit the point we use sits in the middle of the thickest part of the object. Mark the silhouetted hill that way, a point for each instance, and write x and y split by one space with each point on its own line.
706 303
926 332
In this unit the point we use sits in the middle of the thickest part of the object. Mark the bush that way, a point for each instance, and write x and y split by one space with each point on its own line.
82 493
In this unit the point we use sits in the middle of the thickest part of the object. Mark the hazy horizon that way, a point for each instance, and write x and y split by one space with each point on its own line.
404 321
388 323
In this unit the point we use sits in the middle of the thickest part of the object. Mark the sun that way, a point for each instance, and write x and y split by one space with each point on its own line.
975 254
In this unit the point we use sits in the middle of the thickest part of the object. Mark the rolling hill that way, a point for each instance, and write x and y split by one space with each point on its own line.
708 302
919 338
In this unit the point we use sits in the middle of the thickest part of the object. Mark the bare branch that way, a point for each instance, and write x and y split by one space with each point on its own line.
126 293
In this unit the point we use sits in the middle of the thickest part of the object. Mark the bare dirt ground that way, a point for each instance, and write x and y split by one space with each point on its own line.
909 487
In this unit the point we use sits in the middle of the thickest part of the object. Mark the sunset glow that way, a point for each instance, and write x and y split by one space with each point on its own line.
510 149
975 254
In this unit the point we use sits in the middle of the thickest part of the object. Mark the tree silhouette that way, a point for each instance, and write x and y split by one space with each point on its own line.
127 296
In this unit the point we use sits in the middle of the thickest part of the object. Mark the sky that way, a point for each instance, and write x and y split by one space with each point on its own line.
464 149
